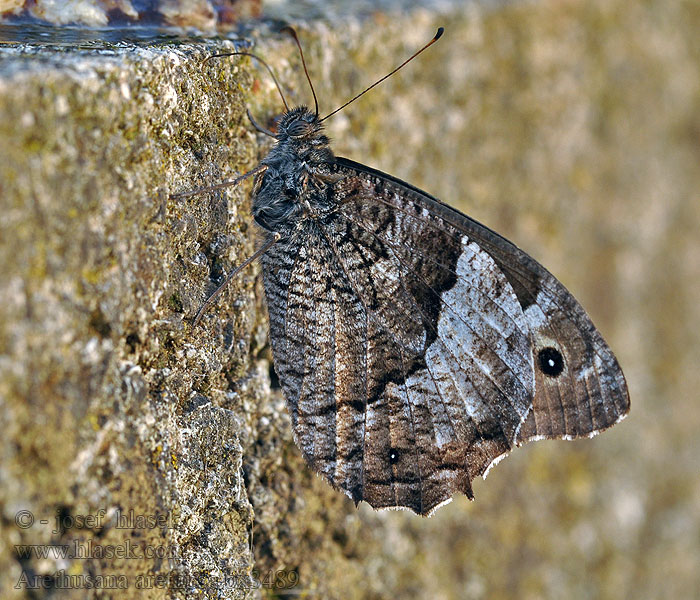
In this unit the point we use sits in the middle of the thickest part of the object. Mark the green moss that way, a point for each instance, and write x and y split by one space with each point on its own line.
175 303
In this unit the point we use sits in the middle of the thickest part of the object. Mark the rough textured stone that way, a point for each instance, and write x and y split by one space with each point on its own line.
203 14
110 401
571 128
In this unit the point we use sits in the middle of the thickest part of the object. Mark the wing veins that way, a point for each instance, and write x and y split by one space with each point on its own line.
545 278
399 345
457 361
458 316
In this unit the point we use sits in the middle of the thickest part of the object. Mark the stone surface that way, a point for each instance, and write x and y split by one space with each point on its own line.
110 402
570 128
202 14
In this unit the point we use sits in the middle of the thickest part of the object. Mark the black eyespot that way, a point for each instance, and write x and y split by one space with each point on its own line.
393 456
551 361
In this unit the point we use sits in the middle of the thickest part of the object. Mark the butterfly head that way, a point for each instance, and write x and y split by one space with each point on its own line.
299 123
301 144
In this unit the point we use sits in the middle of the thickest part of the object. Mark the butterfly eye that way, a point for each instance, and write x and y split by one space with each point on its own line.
298 128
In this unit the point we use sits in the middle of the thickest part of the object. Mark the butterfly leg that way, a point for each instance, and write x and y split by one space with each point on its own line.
219 186
209 301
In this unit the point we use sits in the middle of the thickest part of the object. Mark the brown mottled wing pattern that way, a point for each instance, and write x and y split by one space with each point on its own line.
406 337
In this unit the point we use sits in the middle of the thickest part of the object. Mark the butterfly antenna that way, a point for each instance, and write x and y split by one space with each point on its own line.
269 70
293 33
439 33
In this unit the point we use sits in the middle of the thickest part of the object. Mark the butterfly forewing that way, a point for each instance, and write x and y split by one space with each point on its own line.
589 393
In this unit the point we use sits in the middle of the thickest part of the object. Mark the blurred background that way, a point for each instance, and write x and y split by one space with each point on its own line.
572 128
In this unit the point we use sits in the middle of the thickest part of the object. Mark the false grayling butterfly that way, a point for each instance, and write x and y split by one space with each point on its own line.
415 346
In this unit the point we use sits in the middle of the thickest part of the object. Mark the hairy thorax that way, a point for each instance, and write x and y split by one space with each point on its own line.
296 186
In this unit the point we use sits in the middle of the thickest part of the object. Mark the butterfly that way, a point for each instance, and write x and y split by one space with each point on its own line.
415 346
